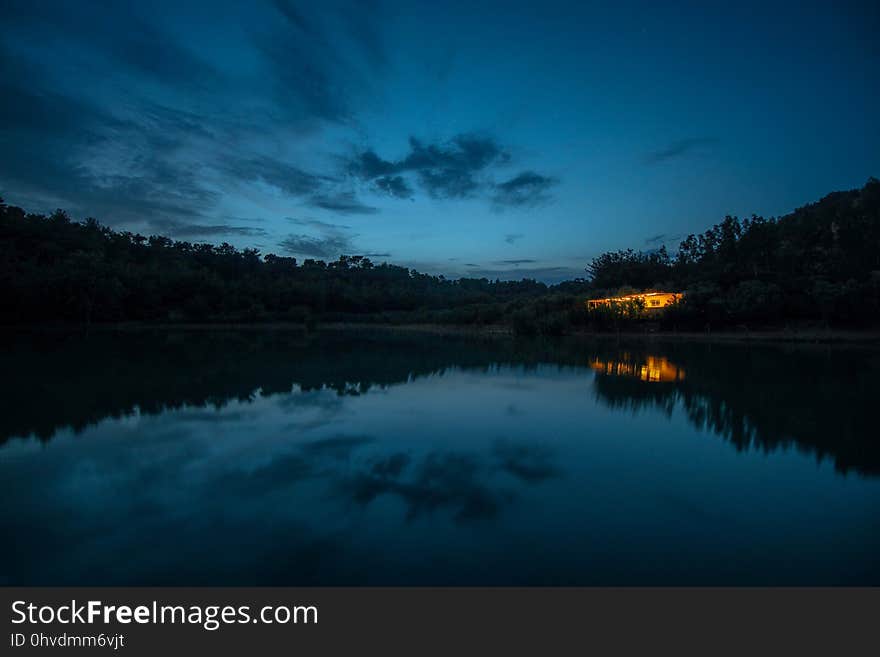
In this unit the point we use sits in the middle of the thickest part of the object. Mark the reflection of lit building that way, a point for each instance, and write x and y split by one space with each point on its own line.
652 300
651 369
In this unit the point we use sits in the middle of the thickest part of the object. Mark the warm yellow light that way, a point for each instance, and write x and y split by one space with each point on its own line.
653 369
652 300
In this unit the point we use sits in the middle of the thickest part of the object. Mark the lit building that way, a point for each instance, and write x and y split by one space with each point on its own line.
652 300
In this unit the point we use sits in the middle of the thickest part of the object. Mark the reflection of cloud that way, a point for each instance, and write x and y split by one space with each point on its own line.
338 448
442 480
456 481
531 463
390 466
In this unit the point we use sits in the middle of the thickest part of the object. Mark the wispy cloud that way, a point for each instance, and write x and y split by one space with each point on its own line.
680 148
150 157
511 238
661 238
324 240
176 229
342 203
327 246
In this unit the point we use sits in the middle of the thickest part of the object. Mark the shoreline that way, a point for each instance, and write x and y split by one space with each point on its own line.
808 335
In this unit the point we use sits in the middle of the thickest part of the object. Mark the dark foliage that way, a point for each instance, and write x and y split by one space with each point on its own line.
53 269
821 262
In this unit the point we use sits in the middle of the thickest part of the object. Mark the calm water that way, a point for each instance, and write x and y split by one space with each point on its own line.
271 458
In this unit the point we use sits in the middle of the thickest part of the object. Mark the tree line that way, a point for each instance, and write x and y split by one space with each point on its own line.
820 263
54 269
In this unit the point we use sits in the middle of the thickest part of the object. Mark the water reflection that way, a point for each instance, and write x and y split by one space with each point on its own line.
754 396
276 458
650 369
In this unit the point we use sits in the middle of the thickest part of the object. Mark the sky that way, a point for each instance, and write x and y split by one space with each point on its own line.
497 139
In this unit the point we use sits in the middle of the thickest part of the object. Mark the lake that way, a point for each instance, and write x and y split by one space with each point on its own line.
370 458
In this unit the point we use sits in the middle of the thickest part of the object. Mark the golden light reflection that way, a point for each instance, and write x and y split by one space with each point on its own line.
651 369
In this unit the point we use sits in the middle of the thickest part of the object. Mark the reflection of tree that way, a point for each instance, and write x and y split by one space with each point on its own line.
74 382
765 398
755 397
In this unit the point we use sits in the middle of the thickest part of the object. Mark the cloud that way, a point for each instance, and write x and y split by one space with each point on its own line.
140 46
444 170
680 148
309 72
521 261
149 157
395 186
655 239
341 202
525 189
510 238
331 241
320 225
328 246
176 229
287 178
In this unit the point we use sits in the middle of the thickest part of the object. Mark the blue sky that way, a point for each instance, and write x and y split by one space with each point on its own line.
475 138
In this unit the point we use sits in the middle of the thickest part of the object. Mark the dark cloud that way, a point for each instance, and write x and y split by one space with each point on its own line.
332 240
526 189
289 10
148 157
341 202
116 35
376 255
320 225
443 170
328 246
309 75
395 186
521 261
53 143
288 178
679 148
510 238
175 229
